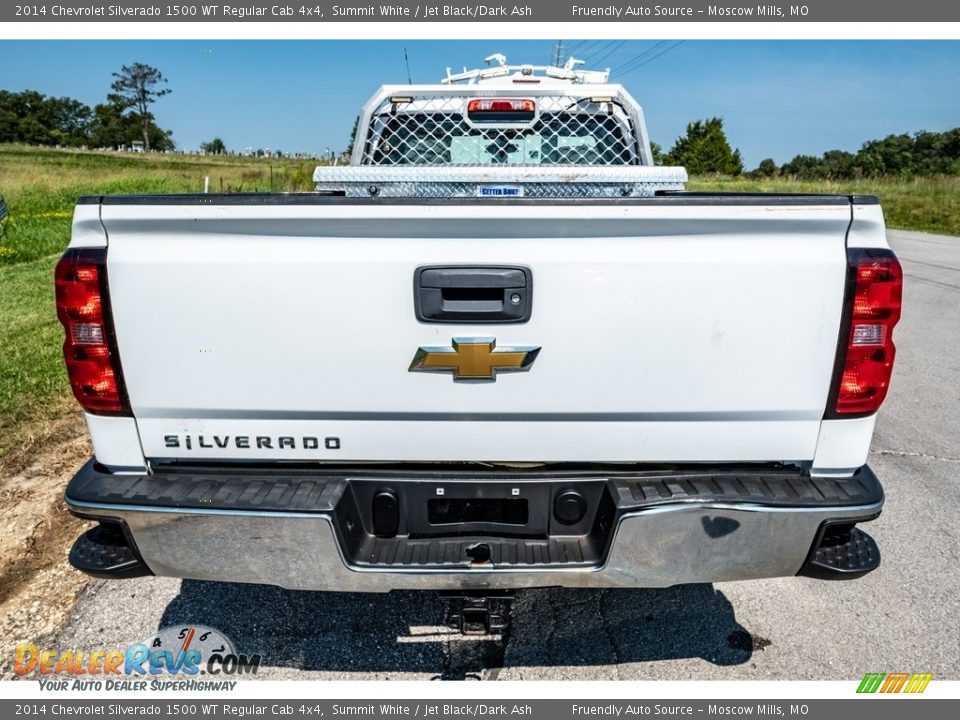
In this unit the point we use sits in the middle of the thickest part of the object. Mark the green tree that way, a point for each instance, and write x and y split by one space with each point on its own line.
353 136
767 168
891 156
70 121
804 167
838 164
135 89
657 152
33 118
160 139
705 149
111 128
214 147
25 118
8 117
948 160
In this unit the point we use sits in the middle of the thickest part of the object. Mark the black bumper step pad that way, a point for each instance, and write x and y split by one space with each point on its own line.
263 492
842 553
475 552
105 552
773 488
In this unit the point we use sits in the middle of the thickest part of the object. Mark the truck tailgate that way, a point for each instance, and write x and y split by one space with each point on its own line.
673 329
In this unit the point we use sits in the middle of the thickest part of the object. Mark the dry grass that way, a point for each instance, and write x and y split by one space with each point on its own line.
37 585
931 204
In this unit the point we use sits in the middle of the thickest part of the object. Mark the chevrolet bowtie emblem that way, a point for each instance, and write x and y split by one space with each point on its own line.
473 359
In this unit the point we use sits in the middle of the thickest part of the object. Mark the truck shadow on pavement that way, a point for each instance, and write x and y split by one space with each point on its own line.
403 632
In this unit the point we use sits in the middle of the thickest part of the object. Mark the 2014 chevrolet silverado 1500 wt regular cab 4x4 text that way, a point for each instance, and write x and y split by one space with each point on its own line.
500 349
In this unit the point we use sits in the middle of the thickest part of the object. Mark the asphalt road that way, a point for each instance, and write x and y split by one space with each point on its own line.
904 617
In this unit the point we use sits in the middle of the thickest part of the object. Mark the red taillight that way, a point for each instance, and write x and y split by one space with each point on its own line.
89 350
506 105
866 351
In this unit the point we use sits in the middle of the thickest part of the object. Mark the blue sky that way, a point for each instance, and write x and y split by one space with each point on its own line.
777 98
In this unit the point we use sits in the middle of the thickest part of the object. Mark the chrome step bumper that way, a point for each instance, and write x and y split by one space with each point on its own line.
306 530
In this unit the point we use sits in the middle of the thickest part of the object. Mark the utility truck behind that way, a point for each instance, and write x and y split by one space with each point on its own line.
500 349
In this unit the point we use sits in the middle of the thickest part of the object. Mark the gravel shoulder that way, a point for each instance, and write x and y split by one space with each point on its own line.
38 587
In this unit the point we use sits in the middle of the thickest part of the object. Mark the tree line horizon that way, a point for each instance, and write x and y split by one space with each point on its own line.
126 119
705 150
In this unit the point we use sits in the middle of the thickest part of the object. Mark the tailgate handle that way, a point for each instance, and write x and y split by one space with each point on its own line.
473 294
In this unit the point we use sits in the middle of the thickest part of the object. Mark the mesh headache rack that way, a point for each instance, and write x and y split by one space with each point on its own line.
504 131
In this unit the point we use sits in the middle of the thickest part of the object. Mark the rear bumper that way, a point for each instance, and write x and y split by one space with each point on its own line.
313 531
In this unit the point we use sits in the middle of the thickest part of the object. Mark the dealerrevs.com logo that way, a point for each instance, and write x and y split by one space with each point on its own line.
182 652
887 683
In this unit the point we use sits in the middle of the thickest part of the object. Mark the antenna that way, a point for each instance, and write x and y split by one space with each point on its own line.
558 53
406 61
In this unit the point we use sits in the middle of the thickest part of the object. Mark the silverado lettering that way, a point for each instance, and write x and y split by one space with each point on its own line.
243 442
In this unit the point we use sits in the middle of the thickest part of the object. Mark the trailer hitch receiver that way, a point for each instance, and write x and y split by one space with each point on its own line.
478 613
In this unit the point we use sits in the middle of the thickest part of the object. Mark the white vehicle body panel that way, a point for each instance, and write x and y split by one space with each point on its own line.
669 332
116 441
843 445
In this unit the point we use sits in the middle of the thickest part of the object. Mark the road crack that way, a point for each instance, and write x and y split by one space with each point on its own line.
611 639
908 453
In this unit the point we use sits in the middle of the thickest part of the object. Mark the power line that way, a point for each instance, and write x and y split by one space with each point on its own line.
582 46
606 51
589 46
677 44
649 60
609 51
629 64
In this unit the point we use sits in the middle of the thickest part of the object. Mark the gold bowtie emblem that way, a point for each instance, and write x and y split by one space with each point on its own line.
474 359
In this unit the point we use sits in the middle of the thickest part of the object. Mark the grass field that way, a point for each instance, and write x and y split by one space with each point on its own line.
32 379
927 204
41 187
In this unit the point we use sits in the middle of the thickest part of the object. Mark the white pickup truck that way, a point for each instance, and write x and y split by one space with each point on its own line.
500 349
